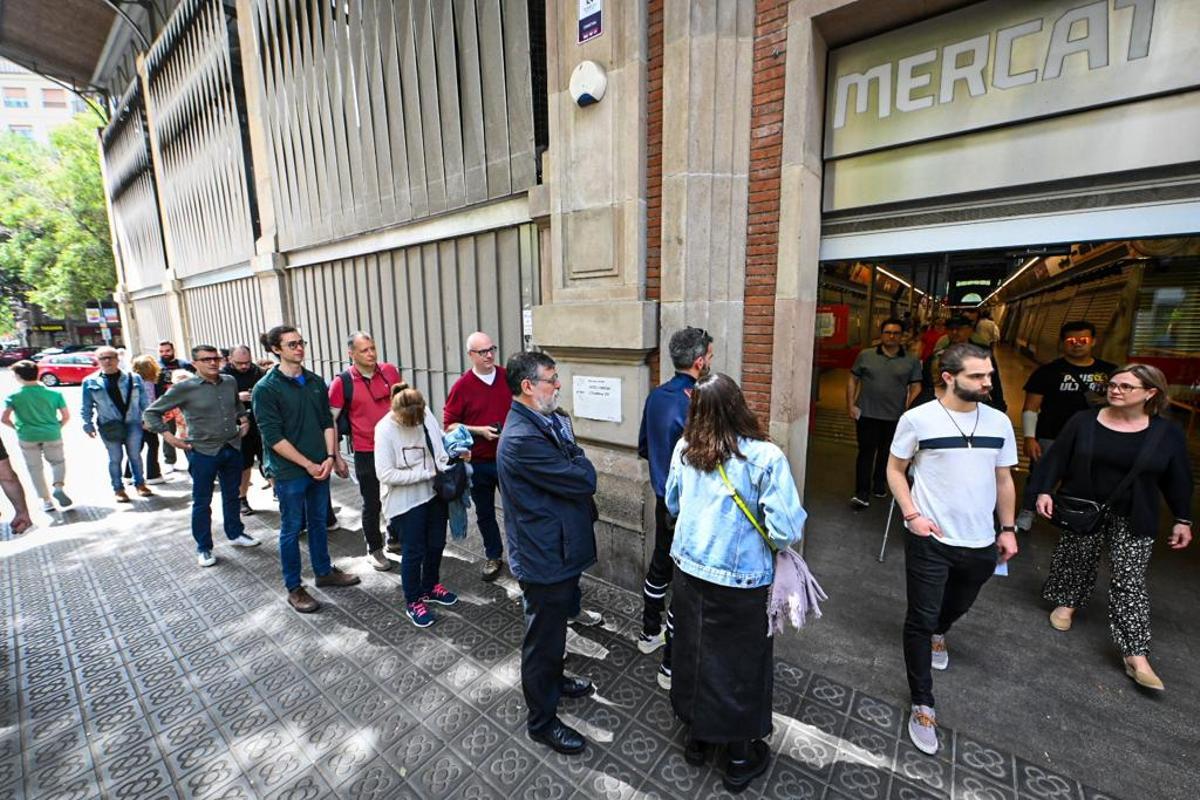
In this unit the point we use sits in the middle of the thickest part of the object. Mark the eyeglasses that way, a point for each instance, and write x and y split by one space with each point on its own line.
551 379
294 345
1123 387
485 351
207 359
1078 339
106 358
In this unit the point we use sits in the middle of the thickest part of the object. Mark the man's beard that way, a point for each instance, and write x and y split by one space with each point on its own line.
549 406
970 395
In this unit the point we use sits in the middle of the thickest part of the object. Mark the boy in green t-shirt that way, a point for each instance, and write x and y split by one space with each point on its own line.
40 415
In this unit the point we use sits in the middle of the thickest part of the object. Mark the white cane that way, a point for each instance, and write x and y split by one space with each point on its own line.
887 528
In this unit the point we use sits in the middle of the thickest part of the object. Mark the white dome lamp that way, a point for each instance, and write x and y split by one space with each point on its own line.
588 82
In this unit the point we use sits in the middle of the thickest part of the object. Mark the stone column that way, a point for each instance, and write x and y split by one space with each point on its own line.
593 318
707 70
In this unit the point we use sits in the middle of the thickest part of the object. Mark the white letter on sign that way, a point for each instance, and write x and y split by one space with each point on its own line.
906 82
1094 42
861 81
971 72
1002 77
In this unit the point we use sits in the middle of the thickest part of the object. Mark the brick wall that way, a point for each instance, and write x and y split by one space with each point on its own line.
762 239
654 117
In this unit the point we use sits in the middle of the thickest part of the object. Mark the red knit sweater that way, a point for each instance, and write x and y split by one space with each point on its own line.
473 402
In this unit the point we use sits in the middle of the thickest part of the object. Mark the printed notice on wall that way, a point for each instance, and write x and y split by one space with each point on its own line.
597 398
590 24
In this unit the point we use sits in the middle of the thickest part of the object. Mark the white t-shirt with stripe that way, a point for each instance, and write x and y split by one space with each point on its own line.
954 472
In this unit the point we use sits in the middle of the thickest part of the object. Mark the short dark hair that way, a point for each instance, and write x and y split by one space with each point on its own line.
893 321
166 341
687 345
271 339
959 322
954 356
1077 325
26 370
524 366
204 348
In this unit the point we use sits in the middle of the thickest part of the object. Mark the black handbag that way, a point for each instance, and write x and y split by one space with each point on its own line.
452 483
114 430
1081 516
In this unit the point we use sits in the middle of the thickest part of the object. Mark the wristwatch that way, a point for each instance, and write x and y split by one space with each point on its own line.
1008 528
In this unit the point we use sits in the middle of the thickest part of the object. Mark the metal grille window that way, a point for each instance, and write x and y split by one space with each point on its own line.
1167 322
378 113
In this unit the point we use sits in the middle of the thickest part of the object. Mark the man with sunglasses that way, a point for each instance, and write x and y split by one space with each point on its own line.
113 401
368 383
216 422
291 405
480 400
1055 392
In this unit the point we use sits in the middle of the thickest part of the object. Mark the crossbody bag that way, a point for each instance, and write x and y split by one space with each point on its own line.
1081 516
794 592
450 484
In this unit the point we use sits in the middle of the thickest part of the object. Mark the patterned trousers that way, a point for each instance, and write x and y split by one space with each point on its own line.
1073 576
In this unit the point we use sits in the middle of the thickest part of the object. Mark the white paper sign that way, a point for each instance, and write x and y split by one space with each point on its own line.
597 398
527 322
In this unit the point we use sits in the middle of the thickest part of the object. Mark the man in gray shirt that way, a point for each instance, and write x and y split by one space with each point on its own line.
216 422
883 382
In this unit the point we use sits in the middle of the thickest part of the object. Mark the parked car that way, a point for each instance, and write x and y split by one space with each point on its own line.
11 355
49 351
63 368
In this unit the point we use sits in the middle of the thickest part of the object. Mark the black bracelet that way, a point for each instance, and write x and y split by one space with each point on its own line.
1187 522
331 455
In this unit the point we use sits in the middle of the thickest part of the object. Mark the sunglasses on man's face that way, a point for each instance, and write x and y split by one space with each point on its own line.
207 359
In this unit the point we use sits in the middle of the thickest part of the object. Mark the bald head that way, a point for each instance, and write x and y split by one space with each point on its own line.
482 353
109 359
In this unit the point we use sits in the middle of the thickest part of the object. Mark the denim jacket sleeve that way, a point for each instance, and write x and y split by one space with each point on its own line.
89 407
779 502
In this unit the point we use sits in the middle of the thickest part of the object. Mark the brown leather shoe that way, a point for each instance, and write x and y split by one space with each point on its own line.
144 490
302 601
338 578
122 497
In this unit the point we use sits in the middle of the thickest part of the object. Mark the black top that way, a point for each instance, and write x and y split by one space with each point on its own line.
112 385
1093 475
245 380
1067 389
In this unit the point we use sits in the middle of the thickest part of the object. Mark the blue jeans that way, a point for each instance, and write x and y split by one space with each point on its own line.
131 448
422 532
225 466
483 495
298 497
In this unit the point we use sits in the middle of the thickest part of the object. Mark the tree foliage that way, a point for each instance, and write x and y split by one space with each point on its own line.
55 249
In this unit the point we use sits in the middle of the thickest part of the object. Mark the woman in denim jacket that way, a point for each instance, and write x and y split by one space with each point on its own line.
723 663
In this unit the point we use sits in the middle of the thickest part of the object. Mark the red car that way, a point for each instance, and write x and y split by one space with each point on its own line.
67 368
12 355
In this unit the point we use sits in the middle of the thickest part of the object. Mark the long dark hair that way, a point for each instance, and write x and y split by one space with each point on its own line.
717 417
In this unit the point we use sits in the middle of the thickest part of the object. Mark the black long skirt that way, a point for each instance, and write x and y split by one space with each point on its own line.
722 673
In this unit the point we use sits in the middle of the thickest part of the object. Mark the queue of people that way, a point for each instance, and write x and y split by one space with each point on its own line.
930 432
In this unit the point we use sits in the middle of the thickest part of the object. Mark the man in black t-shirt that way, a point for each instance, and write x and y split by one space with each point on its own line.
1055 392
243 369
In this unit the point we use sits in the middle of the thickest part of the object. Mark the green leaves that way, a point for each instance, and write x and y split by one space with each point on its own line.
54 236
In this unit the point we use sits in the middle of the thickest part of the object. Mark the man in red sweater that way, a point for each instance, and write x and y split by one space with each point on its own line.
480 400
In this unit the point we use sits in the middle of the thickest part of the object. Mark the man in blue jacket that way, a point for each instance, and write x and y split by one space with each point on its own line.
546 489
662 425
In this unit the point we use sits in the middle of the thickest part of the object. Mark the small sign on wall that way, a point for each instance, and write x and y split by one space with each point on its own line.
590 19
597 398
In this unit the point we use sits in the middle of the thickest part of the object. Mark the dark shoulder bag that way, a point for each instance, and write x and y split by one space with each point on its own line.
1081 516
343 419
114 430
452 483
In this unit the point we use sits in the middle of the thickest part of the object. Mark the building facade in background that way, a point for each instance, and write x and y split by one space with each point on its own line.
423 169
33 106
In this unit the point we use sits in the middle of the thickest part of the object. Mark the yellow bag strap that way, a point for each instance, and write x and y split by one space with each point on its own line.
737 498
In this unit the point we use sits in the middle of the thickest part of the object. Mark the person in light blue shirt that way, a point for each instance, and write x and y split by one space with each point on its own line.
723 658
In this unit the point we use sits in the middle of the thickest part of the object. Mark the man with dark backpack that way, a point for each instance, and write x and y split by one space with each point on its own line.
359 397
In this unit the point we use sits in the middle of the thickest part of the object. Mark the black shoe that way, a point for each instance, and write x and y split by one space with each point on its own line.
859 503
739 772
394 547
879 492
560 738
695 752
575 687
246 509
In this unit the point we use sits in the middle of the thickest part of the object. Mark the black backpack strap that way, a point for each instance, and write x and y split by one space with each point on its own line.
347 390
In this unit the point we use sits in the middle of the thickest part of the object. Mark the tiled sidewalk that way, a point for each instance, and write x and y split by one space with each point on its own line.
128 672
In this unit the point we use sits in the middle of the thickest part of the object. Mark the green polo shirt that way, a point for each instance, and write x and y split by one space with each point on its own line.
296 409
36 412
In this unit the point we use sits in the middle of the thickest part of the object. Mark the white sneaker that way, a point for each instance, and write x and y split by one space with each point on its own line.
205 558
244 541
647 643
664 677
48 506
156 481
922 729
941 656
588 618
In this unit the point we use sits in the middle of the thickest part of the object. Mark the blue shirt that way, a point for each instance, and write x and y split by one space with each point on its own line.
714 541
663 419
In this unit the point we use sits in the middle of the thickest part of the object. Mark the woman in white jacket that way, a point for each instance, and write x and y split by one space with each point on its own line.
408 454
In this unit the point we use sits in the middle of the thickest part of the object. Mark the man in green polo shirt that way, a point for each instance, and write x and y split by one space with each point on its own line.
291 407
883 383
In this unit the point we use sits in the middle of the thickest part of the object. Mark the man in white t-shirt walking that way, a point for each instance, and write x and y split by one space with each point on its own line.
961 451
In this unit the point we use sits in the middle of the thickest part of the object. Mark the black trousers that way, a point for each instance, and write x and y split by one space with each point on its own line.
547 607
874 441
943 582
658 576
368 487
